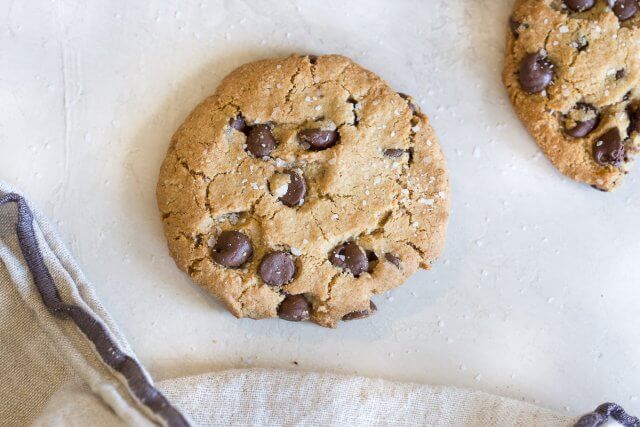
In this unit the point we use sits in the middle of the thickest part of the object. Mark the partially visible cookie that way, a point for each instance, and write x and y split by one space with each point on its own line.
572 69
303 187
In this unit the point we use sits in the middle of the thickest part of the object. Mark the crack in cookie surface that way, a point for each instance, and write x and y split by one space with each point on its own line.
381 186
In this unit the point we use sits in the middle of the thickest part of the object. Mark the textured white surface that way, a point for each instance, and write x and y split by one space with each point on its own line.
536 296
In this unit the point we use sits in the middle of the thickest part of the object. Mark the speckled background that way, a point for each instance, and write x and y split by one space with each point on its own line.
536 296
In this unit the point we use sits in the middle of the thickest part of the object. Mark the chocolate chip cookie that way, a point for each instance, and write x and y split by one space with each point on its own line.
572 69
301 188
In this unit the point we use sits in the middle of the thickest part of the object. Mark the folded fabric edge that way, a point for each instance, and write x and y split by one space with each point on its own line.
176 387
110 352
606 414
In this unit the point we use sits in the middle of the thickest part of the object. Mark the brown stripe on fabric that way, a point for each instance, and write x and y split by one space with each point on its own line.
93 328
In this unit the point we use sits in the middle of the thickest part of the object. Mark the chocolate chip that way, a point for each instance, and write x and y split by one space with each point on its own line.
394 152
361 314
583 119
609 148
634 118
372 258
232 249
238 123
407 98
260 141
296 190
350 256
625 9
620 74
313 59
536 73
277 268
318 139
294 308
392 259
579 5
626 96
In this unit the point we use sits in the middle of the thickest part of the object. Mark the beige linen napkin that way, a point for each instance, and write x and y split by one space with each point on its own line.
64 362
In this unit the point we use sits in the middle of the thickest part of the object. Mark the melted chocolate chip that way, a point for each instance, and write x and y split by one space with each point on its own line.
536 73
394 152
392 259
238 123
579 5
353 103
313 59
318 139
372 258
294 308
260 141
407 98
361 314
296 190
351 257
625 9
634 118
620 74
232 249
582 128
277 268
609 148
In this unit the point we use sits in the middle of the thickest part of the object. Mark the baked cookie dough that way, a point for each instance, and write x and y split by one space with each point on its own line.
572 69
301 188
